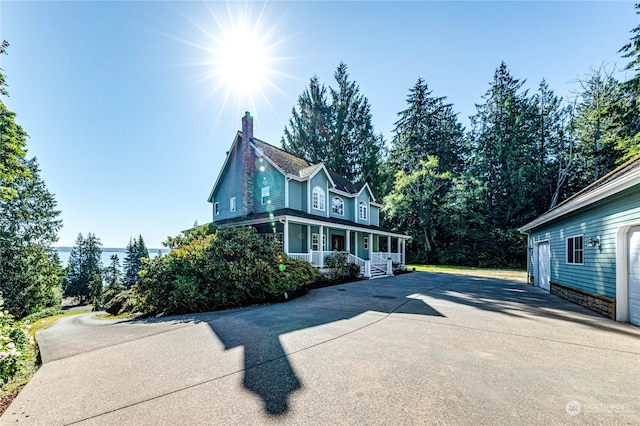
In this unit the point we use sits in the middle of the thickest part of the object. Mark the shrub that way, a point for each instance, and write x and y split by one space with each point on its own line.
230 267
13 342
120 303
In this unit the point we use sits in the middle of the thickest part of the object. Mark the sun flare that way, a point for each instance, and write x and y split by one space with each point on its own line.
241 61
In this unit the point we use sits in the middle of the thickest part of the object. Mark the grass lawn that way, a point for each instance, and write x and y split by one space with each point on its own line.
505 274
11 389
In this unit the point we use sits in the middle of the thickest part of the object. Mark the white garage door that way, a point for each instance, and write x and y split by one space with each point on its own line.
544 266
634 275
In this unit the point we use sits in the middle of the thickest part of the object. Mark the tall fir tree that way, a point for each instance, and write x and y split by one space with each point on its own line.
427 150
85 266
627 110
30 271
337 131
136 250
503 150
13 145
595 151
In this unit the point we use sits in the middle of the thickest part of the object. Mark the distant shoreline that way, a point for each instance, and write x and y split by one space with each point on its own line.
63 249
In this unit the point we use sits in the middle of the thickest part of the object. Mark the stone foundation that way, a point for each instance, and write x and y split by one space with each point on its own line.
596 302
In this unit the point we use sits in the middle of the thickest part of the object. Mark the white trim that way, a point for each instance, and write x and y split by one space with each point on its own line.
342 201
344 194
607 190
366 185
322 192
622 271
378 205
260 153
224 165
304 221
536 278
326 198
286 192
366 211
262 195
326 172
566 250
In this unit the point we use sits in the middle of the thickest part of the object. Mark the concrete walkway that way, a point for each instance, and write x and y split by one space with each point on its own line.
414 349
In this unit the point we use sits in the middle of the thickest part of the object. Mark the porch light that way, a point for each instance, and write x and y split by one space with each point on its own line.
594 241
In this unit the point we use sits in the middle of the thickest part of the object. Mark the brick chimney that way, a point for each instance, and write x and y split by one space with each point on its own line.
248 164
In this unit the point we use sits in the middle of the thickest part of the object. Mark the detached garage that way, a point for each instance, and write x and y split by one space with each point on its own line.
587 249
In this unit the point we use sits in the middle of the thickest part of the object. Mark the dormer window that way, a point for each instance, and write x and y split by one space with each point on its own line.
319 202
362 210
337 206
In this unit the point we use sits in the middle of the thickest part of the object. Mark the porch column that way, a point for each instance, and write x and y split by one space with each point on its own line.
309 239
404 249
356 244
399 256
321 246
347 241
285 241
388 247
370 245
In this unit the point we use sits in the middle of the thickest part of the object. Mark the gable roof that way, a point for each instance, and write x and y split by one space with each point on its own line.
621 178
303 169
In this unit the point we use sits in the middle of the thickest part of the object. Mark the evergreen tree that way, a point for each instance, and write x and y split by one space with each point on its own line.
428 127
30 271
136 250
338 132
12 144
113 274
85 264
426 151
504 147
627 110
595 152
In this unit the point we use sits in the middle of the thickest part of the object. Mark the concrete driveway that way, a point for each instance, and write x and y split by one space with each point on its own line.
414 349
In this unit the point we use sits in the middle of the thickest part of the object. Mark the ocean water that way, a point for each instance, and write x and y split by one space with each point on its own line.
65 253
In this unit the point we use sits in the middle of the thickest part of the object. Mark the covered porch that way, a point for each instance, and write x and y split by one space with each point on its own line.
373 249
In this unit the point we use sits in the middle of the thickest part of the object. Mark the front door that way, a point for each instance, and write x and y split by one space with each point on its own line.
543 273
337 242
634 275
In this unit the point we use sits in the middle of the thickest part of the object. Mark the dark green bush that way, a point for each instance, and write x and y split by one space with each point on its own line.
231 267
120 303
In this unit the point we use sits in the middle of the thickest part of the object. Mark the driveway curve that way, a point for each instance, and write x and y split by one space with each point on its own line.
420 348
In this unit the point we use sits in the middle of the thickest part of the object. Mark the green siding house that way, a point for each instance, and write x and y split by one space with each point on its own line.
310 210
587 249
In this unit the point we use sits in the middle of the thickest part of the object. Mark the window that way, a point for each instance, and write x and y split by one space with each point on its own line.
366 243
216 208
575 250
324 242
314 241
232 204
318 198
337 206
362 210
265 195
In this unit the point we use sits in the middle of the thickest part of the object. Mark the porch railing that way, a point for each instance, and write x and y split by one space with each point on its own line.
395 257
302 256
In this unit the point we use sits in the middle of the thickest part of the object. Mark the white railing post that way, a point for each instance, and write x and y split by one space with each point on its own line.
367 269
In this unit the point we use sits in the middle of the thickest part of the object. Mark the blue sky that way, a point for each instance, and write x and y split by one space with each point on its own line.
130 116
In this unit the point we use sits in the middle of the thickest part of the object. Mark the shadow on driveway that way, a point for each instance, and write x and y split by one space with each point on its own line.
267 371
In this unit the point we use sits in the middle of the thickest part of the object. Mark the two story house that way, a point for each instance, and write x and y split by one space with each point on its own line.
310 210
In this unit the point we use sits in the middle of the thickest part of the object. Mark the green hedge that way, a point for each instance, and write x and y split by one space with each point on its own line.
230 267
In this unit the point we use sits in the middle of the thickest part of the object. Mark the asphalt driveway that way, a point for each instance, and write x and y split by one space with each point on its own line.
414 349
